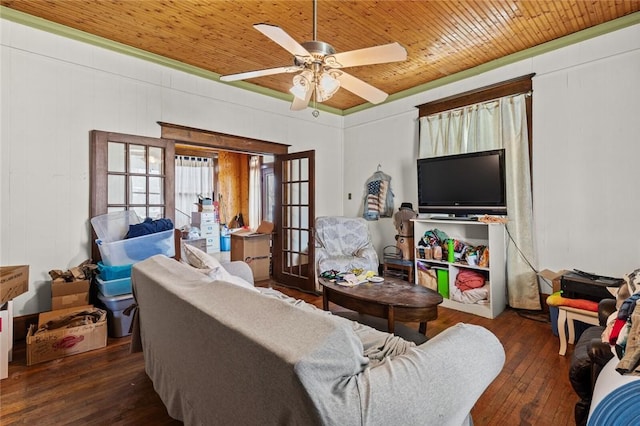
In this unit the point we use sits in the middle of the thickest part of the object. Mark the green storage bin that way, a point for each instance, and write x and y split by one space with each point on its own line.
443 282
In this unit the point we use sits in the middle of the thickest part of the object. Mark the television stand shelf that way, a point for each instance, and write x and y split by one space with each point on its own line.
491 235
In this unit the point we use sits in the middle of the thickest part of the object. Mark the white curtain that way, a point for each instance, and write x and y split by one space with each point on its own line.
255 192
194 177
496 124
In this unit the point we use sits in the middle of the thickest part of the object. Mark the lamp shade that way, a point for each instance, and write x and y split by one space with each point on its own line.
326 87
302 83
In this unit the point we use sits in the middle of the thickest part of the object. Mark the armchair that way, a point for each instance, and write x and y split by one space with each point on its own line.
343 243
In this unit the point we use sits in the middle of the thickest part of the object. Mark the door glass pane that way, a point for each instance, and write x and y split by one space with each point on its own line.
295 244
116 191
295 170
156 212
295 217
137 159
304 241
295 193
270 197
304 193
116 155
304 217
304 169
155 190
155 160
138 190
141 212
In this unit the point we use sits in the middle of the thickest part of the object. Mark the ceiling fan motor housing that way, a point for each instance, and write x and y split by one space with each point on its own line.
318 50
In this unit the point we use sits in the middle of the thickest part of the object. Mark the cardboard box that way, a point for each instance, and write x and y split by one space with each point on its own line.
14 280
553 277
69 294
260 266
255 250
249 245
265 228
61 342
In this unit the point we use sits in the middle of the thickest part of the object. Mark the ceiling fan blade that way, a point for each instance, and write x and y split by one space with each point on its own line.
278 35
360 88
391 52
259 73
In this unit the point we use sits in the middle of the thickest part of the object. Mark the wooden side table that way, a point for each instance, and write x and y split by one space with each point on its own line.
567 315
391 263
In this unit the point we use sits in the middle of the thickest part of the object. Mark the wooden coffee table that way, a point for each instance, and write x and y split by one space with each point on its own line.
393 299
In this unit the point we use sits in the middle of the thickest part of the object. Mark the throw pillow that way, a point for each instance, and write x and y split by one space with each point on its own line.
199 259
211 267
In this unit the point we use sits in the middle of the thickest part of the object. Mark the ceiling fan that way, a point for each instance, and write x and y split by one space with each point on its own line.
321 68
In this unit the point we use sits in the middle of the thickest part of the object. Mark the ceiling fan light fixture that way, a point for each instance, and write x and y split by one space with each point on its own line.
302 83
321 68
326 86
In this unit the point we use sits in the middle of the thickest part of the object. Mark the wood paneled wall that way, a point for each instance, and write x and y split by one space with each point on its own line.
233 185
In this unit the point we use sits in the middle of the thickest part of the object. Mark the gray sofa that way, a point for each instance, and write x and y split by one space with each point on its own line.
219 353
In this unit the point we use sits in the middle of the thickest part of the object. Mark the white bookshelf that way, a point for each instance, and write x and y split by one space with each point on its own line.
474 233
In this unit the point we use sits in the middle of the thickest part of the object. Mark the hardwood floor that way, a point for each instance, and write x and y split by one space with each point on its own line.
109 386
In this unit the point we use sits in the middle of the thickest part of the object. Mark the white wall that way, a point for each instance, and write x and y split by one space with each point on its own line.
586 127
55 90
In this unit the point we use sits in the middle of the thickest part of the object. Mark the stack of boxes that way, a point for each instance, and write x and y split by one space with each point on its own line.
207 222
72 326
118 256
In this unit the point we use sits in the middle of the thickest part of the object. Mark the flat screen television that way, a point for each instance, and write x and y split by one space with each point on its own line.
463 184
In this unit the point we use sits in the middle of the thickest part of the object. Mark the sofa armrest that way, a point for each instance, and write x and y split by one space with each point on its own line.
240 269
437 382
599 354
605 308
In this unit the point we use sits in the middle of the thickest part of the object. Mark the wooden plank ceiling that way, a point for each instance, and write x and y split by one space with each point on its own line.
441 37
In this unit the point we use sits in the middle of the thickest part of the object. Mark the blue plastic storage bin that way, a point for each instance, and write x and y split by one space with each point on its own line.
108 273
132 250
114 287
225 243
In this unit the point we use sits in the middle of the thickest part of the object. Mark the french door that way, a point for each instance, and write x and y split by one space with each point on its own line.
131 173
293 243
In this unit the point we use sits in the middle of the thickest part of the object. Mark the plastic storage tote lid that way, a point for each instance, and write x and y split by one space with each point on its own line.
115 225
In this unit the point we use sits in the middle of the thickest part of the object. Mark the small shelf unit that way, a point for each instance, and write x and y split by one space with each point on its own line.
474 233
